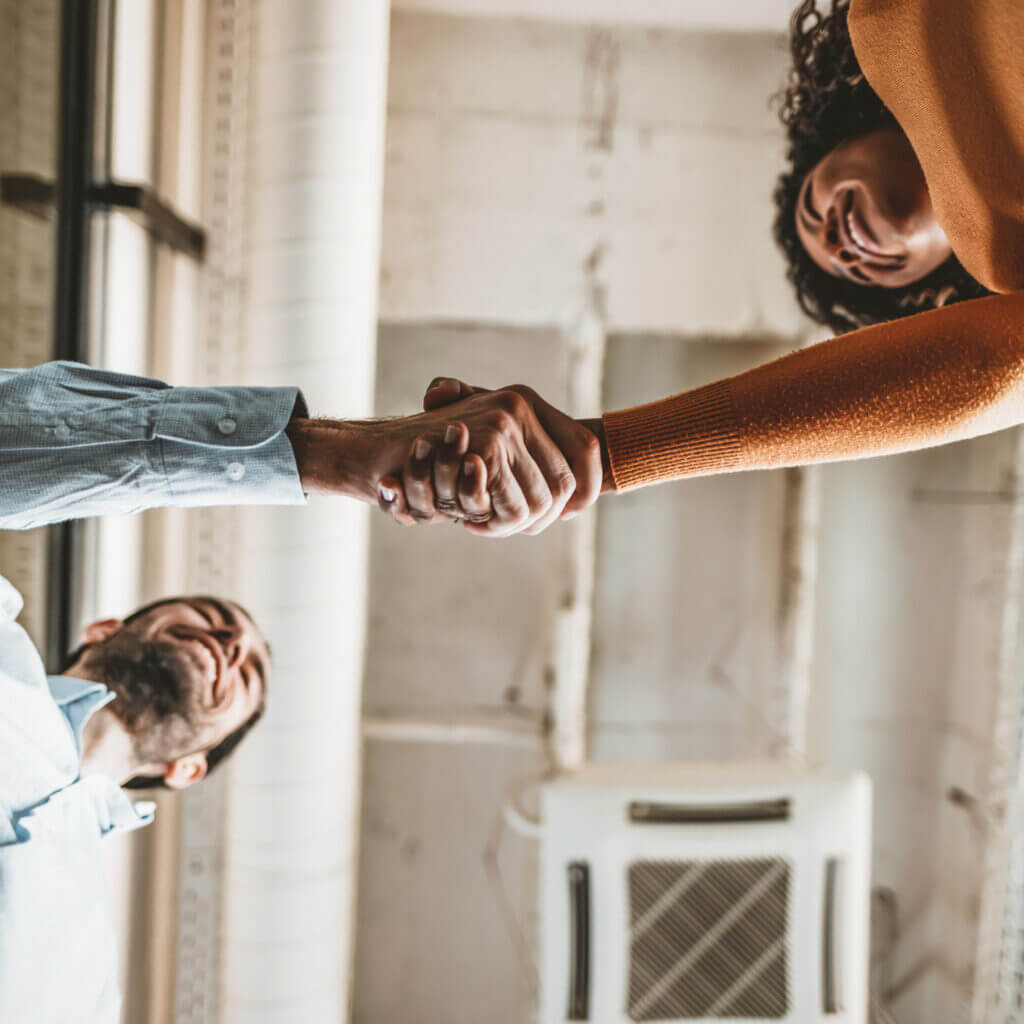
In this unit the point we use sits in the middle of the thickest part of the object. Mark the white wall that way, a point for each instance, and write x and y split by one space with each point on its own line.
518 151
523 156
458 626
686 641
320 73
911 626
708 15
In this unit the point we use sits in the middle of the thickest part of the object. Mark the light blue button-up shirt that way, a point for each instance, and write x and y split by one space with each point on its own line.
76 441
58 950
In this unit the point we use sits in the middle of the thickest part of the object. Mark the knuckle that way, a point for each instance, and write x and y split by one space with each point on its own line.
564 486
524 391
513 403
503 422
591 446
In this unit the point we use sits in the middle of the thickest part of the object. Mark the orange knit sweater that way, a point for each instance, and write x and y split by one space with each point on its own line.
952 72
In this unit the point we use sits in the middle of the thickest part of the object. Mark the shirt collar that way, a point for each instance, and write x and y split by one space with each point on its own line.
114 811
79 700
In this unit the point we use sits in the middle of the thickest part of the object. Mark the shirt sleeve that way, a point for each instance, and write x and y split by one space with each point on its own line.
929 379
77 441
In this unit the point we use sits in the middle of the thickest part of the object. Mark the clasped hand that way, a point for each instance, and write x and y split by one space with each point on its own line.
504 462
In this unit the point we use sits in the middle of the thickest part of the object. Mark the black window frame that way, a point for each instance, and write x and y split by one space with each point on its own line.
73 198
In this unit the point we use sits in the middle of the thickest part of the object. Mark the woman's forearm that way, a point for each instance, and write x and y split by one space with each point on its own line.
930 379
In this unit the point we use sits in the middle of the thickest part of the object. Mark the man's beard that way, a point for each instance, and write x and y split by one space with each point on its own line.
150 680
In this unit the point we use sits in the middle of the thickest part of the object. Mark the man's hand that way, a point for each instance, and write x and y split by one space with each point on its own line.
460 493
426 493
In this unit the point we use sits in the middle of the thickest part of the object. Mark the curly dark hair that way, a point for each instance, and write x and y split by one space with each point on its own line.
828 101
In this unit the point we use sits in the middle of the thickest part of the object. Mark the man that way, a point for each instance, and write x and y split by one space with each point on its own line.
159 698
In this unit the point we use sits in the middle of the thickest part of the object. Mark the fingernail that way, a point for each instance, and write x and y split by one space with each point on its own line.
569 515
387 494
436 382
468 469
451 435
421 450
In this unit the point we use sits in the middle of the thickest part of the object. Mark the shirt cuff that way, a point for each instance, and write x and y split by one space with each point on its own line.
228 446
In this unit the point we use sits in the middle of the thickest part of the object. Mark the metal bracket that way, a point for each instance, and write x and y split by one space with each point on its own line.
37 197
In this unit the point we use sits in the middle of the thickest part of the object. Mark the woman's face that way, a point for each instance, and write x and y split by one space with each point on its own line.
864 213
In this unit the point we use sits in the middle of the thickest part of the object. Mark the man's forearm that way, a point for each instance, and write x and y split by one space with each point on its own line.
331 456
347 458
80 441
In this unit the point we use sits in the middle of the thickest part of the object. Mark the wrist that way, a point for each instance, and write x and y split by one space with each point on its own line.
340 457
596 427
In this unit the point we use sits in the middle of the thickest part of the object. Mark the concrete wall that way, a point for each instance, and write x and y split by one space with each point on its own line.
685 650
518 151
707 15
914 578
526 159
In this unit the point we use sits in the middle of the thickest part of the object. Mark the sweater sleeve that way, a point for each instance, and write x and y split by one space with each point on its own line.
940 376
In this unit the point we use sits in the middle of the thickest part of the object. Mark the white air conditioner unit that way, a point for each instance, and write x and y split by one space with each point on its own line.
705 893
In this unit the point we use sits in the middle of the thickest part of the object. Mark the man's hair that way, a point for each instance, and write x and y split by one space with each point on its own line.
215 755
828 101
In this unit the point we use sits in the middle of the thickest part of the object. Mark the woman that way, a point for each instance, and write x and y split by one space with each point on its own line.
942 175
854 216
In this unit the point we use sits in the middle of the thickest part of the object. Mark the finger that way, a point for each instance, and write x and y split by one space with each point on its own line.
417 480
511 510
539 466
391 500
558 479
580 445
586 465
534 488
447 464
582 448
446 390
474 498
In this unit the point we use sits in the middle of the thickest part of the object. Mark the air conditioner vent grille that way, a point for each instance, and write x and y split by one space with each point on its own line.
708 939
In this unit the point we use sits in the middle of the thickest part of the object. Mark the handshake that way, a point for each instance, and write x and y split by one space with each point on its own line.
499 462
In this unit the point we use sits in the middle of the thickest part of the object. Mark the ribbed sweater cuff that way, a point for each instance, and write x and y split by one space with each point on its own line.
687 435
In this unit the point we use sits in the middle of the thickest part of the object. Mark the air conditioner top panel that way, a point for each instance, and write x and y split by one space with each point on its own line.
709 776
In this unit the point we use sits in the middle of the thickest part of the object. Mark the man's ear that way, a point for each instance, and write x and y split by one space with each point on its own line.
102 629
185 771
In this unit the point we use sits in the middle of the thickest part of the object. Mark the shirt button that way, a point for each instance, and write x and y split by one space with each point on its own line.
235 471
227 425
62 431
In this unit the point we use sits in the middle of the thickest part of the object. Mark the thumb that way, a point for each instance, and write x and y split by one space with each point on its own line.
446 390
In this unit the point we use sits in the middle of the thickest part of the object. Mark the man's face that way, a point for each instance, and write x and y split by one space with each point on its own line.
223 660
186 674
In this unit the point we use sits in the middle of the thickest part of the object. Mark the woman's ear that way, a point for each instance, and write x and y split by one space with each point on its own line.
185 771
102 629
